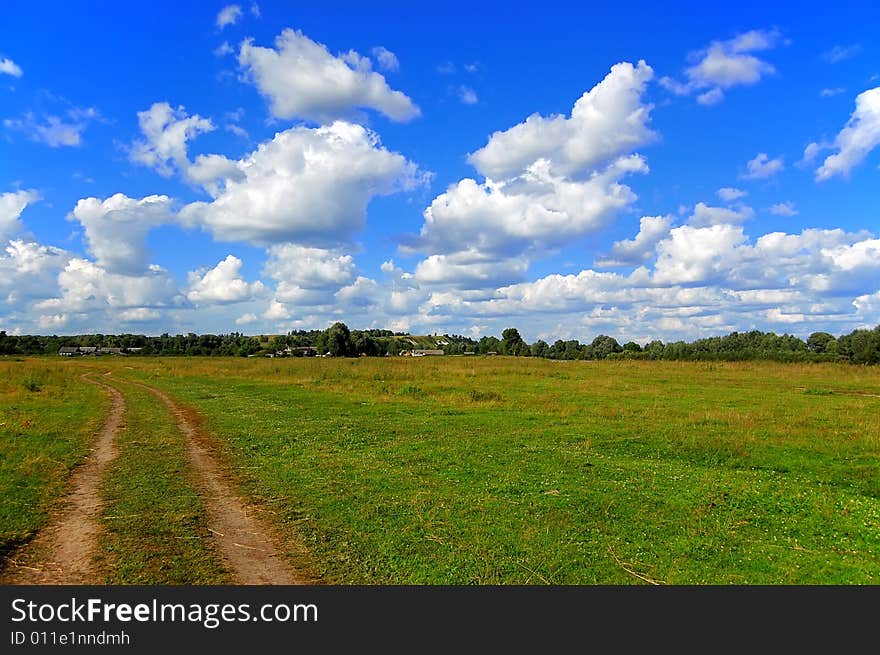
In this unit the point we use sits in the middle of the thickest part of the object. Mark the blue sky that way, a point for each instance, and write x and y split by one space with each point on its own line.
635 170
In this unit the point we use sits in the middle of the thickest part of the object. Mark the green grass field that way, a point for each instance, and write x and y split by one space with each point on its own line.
508 471
48 417
500 470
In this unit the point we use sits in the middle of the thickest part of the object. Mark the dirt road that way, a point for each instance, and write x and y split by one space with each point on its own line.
245 545
64 551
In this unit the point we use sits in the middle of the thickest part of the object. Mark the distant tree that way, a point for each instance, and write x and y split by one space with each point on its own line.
604 345
336 340
819 342
557 350
632 346
654 349
512 343
488 345
572 349
540 349
364 344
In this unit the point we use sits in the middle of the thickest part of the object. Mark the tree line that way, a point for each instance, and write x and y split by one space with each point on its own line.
860 346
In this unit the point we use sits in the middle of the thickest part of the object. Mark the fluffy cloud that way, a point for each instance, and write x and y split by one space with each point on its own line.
166 131
117 227
362 293
470 269
306 185
55 131
222 284
308 275
784 209
535 210
12 204
606 121
9 67
729 194
856 140
697 254
86 287
706 280
725 64
386 59
302 79
29 271
762 167
548 181
276 311
229 15
641 248
211 172
139 315
705 215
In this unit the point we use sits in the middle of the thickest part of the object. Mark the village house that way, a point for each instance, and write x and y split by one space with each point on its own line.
79 351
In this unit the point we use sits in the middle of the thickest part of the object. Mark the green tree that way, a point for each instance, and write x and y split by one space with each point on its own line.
604 345
540 349
512 343
336 340
820 342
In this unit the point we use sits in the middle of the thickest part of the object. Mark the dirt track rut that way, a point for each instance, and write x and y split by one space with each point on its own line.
64 551
244 544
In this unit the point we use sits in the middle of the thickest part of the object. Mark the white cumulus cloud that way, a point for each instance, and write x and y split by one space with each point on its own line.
606 121
548 180
307 275
9 67
302 79
12 204
762 167
706 215
166 131
307 185
229 15
640 249
856 140
222 284
117 227
725 64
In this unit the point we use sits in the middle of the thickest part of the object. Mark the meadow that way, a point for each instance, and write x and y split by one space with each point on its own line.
496 470
48 418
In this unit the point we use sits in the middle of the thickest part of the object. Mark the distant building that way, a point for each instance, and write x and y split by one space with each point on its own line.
423 352
79 351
